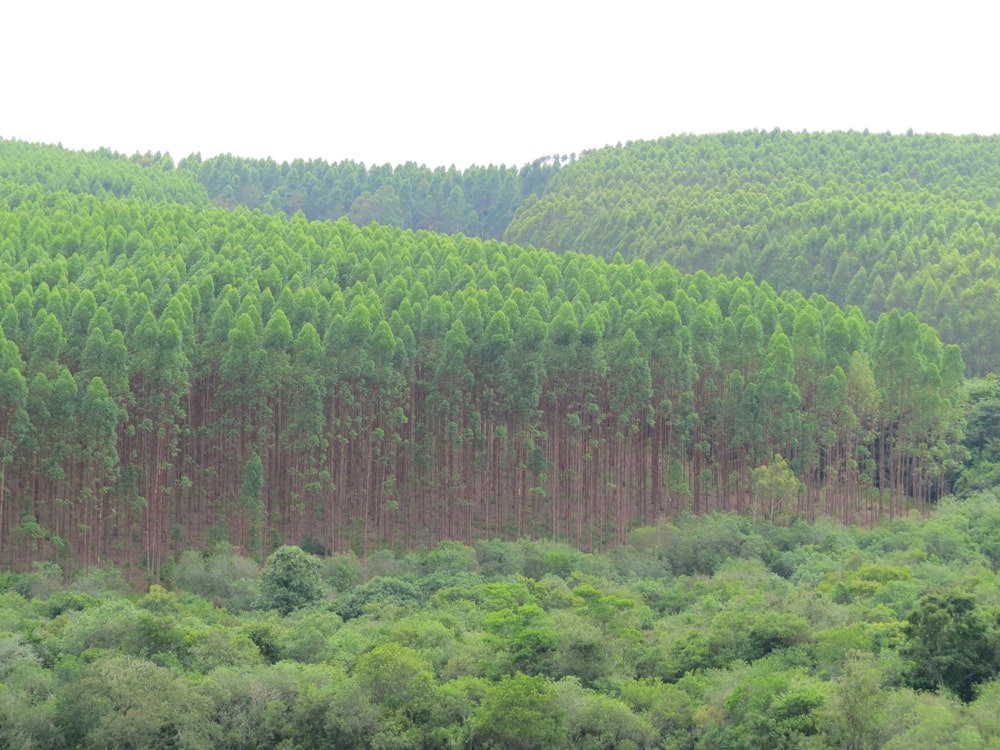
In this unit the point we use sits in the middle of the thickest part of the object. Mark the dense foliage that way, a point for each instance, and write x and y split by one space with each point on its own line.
702 633
875 220
179 375
185 387
878 221
479 201
101 173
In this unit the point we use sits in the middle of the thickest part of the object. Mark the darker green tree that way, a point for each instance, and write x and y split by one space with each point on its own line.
290 580
521 713
949 645
380 593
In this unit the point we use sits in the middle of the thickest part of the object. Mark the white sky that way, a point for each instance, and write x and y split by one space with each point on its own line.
459 83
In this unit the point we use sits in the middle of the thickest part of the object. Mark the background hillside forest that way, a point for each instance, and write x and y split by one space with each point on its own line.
252 377
872 220
176 374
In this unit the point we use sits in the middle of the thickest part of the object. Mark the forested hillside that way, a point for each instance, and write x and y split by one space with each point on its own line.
879 221
102 173
478 202
176 375
874 220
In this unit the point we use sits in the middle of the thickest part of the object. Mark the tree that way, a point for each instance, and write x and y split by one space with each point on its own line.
949 645
523 637
519 713
397 678
775 490
596 722
252 502
290 580
97 425
852 714
379 593
120 701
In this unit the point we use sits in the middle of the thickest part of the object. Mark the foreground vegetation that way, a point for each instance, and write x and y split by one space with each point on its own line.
705 632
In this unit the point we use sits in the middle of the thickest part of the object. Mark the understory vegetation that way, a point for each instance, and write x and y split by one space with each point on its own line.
709 631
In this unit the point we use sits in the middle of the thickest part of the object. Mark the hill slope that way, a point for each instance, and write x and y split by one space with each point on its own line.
478 202
880 221
175 374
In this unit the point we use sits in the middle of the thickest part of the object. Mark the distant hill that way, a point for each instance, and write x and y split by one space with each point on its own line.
880 221
101 173
477 202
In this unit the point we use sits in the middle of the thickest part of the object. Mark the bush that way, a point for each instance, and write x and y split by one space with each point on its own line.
290 580
381 592
224 578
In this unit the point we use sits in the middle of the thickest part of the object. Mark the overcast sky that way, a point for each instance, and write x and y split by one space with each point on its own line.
465 83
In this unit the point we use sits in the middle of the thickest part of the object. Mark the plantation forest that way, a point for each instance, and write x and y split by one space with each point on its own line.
688 443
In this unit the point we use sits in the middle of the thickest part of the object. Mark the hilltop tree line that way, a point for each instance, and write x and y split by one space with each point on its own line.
906 222
101 173
477 201
883 222
177 375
